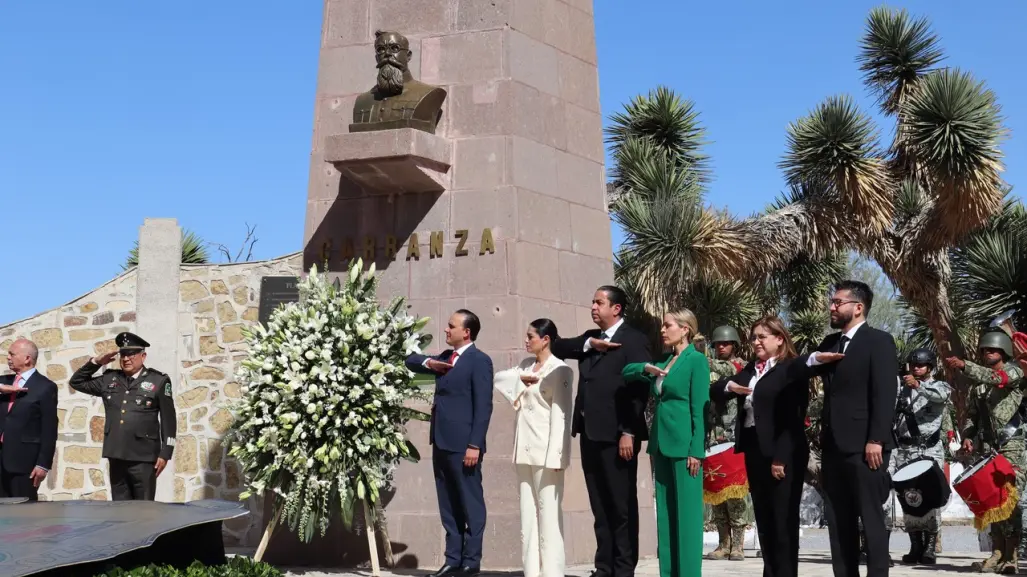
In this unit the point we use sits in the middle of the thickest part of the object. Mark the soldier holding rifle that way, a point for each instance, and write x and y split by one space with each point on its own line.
994 424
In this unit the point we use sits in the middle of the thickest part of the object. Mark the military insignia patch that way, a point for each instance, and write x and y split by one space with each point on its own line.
913 497
147 386
167 389
149 404
112 385
139 401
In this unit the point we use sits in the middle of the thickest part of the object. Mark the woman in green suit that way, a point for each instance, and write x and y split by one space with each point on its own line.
680 383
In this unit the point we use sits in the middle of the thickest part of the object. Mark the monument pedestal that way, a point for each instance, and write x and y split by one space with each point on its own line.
398 161
502 211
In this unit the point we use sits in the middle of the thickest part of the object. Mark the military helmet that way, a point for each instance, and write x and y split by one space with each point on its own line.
922 357
996 339
725 334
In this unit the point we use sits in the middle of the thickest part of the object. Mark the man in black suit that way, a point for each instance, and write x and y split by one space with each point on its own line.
460 417
859 408
609 417
28 423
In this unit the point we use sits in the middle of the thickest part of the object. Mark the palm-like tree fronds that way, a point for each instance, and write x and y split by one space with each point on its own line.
954 127
837 143
194 251
895 51
670 123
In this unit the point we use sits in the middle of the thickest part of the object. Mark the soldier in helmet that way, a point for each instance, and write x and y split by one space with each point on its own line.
994 423
140 426
922 405
729 516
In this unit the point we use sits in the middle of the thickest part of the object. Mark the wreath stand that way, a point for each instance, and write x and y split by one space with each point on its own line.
369 528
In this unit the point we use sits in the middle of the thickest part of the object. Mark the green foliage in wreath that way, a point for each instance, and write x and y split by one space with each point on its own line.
322 421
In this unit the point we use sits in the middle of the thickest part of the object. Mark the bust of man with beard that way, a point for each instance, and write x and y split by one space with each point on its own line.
397 100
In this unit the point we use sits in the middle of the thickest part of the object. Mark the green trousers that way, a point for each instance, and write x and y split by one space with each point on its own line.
679 518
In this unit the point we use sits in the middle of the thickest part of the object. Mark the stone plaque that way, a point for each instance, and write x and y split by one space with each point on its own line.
276 290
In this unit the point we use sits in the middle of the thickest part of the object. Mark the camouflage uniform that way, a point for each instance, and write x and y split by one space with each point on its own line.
732 511
729 516
928 405
994 400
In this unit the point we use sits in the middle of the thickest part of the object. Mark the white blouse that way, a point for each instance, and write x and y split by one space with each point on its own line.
750 414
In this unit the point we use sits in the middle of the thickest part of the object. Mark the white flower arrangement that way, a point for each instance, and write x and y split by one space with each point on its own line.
322 419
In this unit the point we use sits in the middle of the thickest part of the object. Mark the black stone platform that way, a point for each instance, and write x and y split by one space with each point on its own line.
83 538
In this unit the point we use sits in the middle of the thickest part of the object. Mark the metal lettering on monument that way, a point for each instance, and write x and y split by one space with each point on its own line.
397 100
367 248
274 291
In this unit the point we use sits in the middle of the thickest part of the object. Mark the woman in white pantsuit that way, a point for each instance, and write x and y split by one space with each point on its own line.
540 390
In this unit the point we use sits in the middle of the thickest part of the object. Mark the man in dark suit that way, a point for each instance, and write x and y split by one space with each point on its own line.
859 408
460 417
609 418
28 423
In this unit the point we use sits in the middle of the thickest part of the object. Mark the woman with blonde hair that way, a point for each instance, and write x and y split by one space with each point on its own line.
772 393
539 389
680 384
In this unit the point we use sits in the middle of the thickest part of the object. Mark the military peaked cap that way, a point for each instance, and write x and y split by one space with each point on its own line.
130 341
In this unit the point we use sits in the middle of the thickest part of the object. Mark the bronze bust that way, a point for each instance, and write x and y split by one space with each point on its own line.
397 100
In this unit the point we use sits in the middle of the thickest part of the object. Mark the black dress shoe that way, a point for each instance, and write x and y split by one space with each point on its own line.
445 571
469 571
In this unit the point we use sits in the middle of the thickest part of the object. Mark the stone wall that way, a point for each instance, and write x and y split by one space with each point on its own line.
215 303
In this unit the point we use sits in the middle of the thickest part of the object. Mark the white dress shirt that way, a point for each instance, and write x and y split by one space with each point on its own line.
609 334
812 360
459 353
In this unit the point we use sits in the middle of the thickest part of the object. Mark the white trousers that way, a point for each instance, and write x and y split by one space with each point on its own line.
541 521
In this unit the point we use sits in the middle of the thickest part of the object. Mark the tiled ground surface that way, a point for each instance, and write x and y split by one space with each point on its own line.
960 543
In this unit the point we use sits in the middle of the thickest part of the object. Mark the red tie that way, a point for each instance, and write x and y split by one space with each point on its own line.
452 358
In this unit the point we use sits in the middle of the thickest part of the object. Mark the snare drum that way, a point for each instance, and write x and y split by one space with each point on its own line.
988 488
921 486
724 474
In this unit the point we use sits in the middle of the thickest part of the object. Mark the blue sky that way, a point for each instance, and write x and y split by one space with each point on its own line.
117 110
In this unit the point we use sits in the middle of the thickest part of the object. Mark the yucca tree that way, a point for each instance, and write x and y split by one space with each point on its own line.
194 251
904 204
989 277
659 175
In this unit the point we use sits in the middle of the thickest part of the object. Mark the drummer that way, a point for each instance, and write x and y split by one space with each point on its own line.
729 516
994 423
922 403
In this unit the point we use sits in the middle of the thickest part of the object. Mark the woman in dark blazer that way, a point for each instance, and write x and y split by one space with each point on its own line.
772 393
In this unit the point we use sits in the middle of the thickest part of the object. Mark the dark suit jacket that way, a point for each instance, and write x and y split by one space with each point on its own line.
30 428
462 407
779 404
860 390
605 405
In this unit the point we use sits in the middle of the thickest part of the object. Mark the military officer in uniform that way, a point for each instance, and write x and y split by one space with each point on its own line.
140 426
994 423
728 516
922 405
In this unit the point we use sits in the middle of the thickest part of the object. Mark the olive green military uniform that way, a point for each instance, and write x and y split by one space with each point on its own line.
995 398
729 516
139 427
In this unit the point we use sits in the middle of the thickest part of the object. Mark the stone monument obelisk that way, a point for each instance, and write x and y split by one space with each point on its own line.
499 207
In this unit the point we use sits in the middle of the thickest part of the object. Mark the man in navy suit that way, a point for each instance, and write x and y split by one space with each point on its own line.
28 423
460 417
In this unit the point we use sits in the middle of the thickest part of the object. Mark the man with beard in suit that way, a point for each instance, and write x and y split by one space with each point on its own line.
609 418
397 100
859 409
28 423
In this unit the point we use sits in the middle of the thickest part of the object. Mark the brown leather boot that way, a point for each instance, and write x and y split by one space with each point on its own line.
990 564
737 541
723 549
1010 564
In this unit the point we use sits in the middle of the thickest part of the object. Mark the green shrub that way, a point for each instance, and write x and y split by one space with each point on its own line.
236 567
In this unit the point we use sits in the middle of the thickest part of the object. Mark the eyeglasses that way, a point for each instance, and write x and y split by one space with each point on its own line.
755 338
837 303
